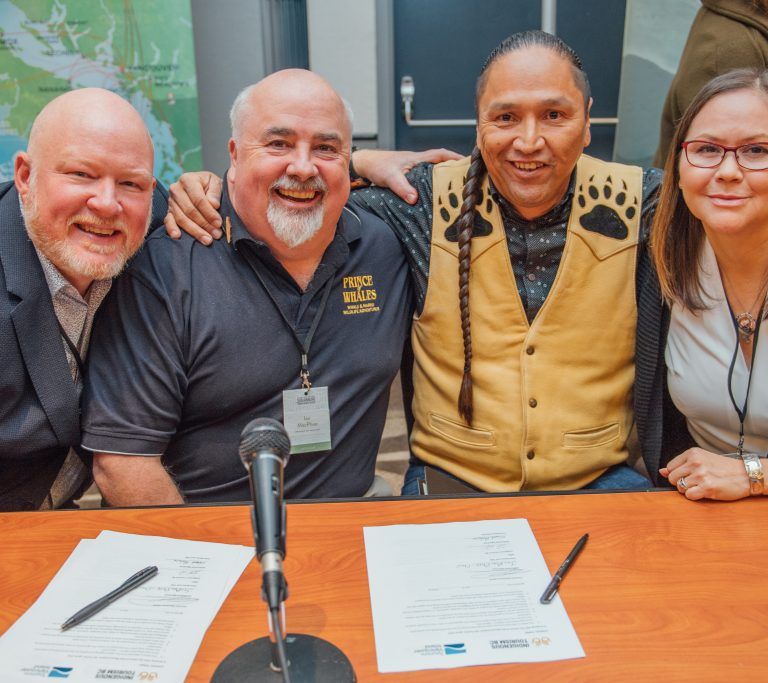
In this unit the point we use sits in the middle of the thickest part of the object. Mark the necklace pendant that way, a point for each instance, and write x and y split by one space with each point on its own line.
745 322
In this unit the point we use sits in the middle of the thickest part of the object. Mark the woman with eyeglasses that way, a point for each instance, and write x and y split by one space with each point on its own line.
701 398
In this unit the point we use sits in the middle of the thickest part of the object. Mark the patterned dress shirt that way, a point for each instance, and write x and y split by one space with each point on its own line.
75 314
535 247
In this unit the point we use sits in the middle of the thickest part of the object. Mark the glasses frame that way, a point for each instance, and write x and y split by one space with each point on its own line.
725 149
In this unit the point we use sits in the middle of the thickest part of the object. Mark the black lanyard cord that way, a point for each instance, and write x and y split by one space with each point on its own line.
305 344
742 412
73 349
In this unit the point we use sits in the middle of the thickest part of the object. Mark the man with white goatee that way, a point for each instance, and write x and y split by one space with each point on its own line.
300 314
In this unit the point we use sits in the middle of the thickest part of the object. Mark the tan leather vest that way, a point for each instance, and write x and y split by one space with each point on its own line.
552 400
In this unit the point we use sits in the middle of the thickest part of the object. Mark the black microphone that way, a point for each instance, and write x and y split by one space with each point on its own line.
264 450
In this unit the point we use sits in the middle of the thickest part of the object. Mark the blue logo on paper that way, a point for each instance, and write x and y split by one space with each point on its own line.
454 648
60 672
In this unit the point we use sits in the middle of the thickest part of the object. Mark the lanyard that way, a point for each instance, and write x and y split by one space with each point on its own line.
302 344
742 412
73 349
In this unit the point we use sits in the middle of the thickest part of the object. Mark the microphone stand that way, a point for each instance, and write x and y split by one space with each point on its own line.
297 657
279 662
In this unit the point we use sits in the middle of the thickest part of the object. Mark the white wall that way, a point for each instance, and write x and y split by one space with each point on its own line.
342 49
229 52
655 32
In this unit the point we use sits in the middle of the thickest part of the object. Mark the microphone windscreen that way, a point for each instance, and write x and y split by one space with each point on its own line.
264 434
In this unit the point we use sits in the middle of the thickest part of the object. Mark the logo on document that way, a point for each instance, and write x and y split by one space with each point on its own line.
454 648
46 671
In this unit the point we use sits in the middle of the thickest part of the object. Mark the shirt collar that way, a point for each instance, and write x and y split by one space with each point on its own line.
56 281
553 216
59 285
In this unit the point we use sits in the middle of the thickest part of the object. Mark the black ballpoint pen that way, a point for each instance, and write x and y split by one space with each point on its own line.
89 610
554 584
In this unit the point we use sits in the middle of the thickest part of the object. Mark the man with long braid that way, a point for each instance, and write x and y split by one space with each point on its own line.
525 258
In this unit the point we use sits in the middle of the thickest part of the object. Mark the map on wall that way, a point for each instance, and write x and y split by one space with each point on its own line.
140 49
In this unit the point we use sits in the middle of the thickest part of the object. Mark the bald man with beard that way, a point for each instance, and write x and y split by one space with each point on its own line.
78 209
195 341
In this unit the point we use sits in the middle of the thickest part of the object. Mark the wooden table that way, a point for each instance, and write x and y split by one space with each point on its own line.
666 589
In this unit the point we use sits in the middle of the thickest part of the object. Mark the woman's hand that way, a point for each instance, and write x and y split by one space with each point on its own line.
707 475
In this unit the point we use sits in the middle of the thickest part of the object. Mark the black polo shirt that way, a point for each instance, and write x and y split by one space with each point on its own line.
189 347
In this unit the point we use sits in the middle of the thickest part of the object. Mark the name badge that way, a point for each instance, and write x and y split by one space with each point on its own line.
307 419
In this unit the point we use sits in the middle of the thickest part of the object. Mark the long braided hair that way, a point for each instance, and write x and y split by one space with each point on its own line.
472 195
473 187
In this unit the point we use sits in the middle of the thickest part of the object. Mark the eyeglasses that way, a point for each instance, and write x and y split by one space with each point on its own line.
705 154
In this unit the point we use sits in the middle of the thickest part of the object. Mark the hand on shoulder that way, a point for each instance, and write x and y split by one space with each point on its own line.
193 207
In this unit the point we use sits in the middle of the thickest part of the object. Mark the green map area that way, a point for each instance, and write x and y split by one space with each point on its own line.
140 49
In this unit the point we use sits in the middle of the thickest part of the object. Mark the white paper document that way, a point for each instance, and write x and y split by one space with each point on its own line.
149 634
461 594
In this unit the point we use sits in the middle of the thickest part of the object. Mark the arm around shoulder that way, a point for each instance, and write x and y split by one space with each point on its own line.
388 168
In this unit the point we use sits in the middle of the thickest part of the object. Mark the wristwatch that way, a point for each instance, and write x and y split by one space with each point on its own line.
755 473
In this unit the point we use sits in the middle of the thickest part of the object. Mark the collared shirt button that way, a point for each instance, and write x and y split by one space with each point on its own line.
531 277
530 455
530 350
533 402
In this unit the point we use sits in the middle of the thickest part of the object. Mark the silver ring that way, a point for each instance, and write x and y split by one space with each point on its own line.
681 483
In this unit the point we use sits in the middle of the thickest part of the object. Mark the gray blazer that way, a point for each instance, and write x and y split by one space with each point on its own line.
39 410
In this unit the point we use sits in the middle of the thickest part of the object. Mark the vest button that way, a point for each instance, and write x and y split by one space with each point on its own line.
533 403
530 455
530 350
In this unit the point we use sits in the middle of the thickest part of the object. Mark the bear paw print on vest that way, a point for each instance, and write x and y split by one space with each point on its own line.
451 209
603 216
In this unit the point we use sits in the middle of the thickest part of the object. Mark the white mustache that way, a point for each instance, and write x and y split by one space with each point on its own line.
316 184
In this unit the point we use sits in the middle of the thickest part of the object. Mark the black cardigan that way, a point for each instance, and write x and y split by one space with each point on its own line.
661 428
